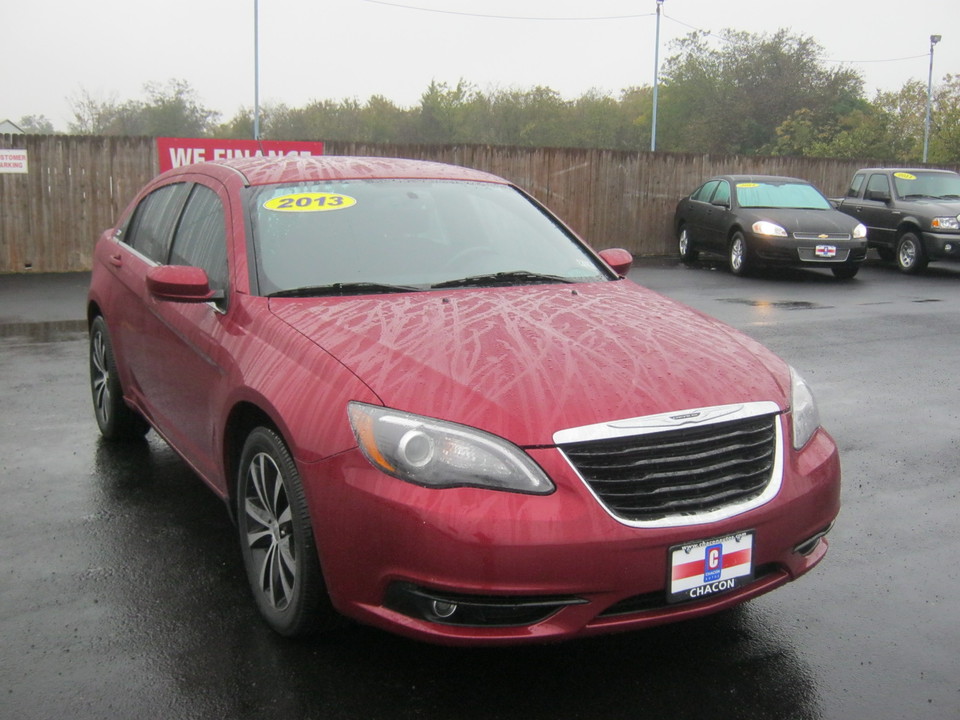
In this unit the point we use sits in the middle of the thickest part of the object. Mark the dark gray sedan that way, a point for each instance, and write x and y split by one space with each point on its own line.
762 220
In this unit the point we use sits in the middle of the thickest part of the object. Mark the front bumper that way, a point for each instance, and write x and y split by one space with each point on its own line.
942 246
522 568
792 251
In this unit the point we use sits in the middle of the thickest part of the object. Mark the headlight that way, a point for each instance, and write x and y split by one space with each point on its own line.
945 223
764 227
860 231
440 454
806 418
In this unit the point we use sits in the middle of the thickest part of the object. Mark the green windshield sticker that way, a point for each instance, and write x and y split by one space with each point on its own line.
748 185
310 202
904 176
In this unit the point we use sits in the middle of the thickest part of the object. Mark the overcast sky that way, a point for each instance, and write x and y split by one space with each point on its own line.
334 49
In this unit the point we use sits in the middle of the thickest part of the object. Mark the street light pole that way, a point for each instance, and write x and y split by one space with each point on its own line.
934 39
656 82
256 70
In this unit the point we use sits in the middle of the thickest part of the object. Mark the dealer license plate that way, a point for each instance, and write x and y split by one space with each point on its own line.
826 251
709 567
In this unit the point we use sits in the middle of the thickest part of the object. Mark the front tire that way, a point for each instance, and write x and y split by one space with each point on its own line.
687 254
845 272
277 541
116 420
910 256
738 257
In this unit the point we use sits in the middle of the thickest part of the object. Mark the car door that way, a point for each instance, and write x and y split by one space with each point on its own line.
716 218
139 244
183 363
876 210
698 207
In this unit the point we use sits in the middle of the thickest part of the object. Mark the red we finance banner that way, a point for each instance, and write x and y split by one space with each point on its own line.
176 152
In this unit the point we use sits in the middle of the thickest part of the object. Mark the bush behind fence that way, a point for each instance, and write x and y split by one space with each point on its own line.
76 186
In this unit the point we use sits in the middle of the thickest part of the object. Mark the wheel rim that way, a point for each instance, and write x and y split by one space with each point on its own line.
100 377
684 243
269 530
908 253
736 254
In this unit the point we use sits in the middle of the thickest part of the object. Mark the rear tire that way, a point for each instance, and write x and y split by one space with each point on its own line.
116 420
277 542
687 254
886 254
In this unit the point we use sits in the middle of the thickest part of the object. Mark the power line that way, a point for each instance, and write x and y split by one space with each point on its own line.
504 17
708 33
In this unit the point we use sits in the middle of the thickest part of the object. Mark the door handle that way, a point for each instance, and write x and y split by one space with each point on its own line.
116 260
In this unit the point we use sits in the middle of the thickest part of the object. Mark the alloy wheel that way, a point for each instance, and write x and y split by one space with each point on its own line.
269 531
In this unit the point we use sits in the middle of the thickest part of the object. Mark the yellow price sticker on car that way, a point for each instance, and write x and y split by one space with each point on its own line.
748 185
904 176
310 202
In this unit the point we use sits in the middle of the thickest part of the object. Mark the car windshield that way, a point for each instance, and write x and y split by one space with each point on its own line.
366 236
780 195
941 186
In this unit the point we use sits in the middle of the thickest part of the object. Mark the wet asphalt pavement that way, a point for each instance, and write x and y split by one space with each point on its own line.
122 592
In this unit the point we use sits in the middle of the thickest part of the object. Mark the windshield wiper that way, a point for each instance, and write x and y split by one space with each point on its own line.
514 277
354 288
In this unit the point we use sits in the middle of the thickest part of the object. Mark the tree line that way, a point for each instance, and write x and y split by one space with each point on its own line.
753 94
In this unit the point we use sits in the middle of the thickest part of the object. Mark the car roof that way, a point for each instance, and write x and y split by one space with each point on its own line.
906 169
760 179
270 170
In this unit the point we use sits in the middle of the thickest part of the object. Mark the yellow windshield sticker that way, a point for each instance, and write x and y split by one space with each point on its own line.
748 185
310 202
905 176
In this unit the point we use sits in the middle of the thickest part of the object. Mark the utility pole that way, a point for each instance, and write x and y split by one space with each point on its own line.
656 82
934 39
256 70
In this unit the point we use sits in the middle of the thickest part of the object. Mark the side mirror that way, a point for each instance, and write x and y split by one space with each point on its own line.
618 259
180 283
881 195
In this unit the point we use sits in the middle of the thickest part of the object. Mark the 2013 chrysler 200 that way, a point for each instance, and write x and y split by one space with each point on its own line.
431 408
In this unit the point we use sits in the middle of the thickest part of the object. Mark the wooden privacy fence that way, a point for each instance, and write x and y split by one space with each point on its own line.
76 186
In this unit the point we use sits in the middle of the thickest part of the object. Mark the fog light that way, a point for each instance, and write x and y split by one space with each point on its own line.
948 247
463 610
443 609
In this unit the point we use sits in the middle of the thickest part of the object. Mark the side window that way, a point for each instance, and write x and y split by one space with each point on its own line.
879 183
855 186
152 222
705 191
722 195
200 239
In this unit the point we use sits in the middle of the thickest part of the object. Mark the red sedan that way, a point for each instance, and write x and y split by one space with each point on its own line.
431 408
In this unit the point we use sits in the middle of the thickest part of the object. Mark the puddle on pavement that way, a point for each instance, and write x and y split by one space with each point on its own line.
781 304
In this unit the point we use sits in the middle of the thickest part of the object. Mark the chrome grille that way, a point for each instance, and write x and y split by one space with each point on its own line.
808 254
682 472
821 237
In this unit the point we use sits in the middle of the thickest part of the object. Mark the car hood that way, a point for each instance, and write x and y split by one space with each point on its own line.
933 206
800 220
524 362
